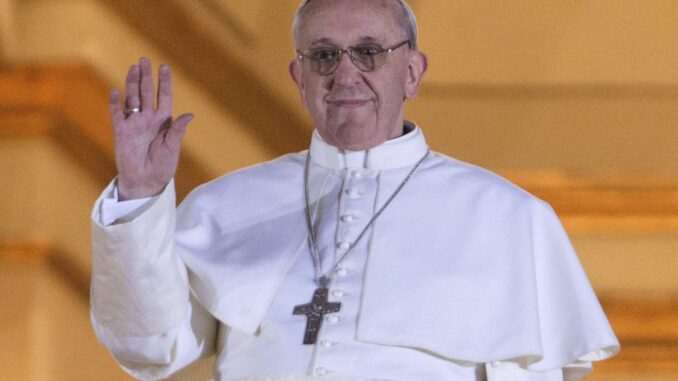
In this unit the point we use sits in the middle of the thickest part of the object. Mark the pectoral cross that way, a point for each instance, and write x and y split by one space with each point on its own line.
315 311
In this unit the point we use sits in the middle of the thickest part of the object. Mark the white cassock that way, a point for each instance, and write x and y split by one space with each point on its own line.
463 277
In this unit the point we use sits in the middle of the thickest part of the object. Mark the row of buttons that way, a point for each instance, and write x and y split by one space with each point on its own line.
346 218
333 319
353 192
343 245
358 174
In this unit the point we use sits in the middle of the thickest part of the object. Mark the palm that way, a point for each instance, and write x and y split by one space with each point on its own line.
147 143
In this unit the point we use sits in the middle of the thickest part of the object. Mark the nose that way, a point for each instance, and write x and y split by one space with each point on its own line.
346 72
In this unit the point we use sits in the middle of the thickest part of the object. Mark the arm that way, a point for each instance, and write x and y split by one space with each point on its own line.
140 304
141 308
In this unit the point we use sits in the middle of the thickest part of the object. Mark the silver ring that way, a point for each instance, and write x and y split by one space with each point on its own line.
132 110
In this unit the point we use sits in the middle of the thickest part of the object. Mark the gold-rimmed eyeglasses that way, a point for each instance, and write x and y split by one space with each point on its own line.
325 60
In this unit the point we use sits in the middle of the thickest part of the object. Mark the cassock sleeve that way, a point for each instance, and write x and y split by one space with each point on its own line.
140 304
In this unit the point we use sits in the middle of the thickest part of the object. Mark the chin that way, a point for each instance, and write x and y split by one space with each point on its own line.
353 135
356 143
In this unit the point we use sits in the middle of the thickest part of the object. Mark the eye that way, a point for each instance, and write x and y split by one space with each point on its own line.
323 54
367 51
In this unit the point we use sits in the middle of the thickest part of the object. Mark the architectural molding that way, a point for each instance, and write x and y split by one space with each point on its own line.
611 199
69 104
632 225
25 123
230 22
25 251
647 327
44 252
545 91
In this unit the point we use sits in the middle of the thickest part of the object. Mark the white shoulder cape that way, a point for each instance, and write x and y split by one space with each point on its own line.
483 272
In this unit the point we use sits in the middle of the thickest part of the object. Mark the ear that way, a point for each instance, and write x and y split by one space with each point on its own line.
417 66
296 74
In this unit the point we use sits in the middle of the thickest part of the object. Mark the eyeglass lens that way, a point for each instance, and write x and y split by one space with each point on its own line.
325 61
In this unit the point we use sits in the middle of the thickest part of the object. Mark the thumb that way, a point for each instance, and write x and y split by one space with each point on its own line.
178 129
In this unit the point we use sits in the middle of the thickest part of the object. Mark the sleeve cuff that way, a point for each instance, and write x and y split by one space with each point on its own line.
139 285
113 211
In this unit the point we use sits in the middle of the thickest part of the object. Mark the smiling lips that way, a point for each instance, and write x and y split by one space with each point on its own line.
348 103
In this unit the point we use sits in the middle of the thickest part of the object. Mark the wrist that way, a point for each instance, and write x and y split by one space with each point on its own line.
126 192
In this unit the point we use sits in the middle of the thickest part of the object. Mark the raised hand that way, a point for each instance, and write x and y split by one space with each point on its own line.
147 139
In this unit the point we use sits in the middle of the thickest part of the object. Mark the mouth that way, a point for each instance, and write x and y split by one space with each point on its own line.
348 103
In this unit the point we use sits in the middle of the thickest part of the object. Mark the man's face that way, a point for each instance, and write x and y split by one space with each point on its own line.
352 109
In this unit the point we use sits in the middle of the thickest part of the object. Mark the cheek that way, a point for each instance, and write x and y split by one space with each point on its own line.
391 82
393 95
313 94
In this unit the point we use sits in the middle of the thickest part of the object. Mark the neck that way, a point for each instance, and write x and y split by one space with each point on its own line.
407 127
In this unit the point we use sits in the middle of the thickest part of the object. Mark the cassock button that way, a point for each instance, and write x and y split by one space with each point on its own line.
342 272
347 218
326 343
338 293
343 245
320 371
332 319
352 193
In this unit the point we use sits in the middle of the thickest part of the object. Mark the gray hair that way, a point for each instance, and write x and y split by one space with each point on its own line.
407 20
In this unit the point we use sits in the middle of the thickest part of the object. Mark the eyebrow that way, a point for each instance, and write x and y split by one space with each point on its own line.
368 39
325 40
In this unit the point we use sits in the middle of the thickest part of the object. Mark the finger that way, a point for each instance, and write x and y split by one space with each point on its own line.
165 90
146 84
177 131
117 114
132 87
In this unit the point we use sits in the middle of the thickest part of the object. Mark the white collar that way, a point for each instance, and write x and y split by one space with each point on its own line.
400 152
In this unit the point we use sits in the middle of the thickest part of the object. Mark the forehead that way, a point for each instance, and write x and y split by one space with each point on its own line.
350 21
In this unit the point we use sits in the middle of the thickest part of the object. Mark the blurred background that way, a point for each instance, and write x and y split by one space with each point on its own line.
574 100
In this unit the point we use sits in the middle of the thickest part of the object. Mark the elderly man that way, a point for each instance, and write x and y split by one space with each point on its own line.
367 257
